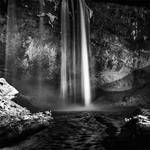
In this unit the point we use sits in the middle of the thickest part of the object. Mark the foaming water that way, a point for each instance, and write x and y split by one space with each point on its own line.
90 107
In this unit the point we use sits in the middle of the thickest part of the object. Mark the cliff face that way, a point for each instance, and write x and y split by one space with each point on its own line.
120 42
29 38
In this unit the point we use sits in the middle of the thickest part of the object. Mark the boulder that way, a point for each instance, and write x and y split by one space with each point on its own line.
17 122
137 125
6 90
134 133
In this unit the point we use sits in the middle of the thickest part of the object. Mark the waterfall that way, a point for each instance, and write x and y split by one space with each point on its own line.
75 41
64 47
11 34
86 91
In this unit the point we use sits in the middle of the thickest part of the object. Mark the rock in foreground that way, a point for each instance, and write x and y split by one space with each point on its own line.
16 121
139 123
6 90
134 133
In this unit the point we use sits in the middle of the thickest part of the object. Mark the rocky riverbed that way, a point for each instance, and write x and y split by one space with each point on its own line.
86 131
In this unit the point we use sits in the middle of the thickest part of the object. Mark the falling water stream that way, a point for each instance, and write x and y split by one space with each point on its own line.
64 44
75 72
75 86
84 48
11 34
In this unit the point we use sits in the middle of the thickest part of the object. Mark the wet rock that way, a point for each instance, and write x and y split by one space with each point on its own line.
6 90
140 119
134 133
136 126
17 122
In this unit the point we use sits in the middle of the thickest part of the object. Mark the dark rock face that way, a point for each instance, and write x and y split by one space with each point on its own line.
138 95
118 48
